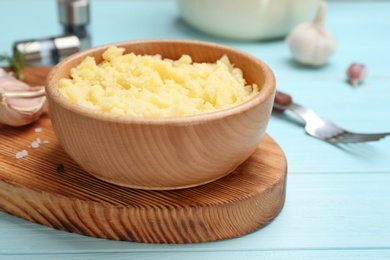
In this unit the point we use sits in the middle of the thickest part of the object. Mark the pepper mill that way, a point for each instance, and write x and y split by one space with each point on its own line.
47 51
74 16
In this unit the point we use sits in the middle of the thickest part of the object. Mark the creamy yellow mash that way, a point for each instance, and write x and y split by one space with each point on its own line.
149 86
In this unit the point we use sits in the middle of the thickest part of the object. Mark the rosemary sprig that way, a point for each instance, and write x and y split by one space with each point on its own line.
16 62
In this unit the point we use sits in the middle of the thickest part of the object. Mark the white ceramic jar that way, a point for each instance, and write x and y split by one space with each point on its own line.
247 19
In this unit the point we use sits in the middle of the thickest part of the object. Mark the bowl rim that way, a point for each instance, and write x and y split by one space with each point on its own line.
52 91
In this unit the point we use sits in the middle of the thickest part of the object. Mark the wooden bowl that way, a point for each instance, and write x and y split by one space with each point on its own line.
162 153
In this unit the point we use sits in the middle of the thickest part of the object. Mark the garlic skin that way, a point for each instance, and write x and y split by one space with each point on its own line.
18 111
356 72
311 43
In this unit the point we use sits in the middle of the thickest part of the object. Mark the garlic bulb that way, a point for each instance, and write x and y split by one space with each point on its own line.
18 111
312 43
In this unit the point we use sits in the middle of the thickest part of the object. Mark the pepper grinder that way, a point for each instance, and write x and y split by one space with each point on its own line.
74 17
47 51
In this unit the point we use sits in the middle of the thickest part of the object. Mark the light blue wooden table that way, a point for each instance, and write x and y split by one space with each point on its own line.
338 197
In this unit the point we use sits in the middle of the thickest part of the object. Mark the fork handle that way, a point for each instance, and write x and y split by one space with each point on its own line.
281 101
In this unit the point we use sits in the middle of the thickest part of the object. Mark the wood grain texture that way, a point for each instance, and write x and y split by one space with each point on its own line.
74 201
35 189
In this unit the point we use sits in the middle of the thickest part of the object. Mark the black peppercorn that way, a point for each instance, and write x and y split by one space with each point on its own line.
60 168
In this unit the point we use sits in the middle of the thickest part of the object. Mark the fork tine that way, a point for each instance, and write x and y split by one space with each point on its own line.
359 140
368 136
348 137
348 140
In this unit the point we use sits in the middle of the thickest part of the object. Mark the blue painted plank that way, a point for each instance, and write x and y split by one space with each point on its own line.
331 254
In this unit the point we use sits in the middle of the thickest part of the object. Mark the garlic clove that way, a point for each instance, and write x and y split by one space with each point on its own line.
31 105
356 72
18 111
312 43
12 117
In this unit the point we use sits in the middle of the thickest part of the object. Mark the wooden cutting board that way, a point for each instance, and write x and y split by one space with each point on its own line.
47 187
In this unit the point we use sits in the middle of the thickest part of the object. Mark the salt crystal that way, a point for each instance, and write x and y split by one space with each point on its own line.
21 154
38 130
45 141
38 140
35 144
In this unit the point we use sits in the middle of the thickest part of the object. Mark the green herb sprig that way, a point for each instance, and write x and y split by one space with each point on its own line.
16 62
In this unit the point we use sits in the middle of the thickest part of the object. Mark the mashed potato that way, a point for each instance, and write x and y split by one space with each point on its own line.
149 86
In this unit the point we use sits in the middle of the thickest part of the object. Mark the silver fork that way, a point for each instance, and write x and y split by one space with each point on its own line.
320 128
